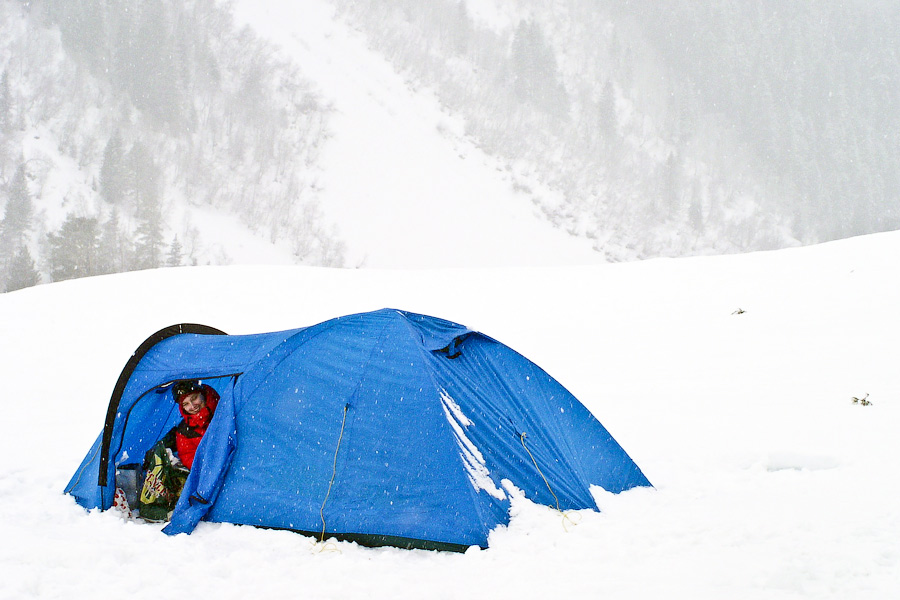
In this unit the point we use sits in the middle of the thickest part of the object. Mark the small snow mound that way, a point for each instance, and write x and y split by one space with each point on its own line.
787 461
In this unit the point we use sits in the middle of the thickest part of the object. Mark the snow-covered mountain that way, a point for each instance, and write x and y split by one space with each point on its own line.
448 133
401 181
365 170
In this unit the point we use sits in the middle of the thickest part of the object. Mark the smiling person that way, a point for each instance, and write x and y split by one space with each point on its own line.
197 403
167 464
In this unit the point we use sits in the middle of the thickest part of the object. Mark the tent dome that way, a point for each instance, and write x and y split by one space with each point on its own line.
386 427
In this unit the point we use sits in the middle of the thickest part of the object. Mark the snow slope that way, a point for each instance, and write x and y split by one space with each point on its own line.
770 482
403 185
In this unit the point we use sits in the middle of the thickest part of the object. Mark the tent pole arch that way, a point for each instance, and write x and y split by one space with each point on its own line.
132 363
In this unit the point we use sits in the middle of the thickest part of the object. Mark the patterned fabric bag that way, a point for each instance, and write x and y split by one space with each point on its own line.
164 479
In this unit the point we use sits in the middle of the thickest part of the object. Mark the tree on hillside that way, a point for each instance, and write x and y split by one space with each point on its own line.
74 249
21 272
607 121
155 86
114 248
82 27
176 254
148 242
17 216
695 209
114 171
19 208
5 103
671 187
536 77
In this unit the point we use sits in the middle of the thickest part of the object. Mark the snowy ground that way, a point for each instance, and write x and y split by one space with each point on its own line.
770 482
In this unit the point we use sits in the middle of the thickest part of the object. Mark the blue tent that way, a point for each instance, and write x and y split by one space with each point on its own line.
386 427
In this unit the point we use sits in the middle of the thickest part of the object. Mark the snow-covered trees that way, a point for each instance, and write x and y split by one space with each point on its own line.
75 249
148 243
157 103
535 74
17 214
671 130
5 103
114 171
779 118
175 257
115 248
17 268
21 272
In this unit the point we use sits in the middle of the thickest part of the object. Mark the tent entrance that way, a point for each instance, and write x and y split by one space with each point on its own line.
156 414
104 474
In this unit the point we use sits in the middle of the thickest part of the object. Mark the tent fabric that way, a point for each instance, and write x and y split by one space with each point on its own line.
386 427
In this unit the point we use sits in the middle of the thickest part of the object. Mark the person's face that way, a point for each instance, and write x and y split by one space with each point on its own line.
193 403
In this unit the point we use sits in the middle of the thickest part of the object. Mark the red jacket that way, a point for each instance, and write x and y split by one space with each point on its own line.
190 431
